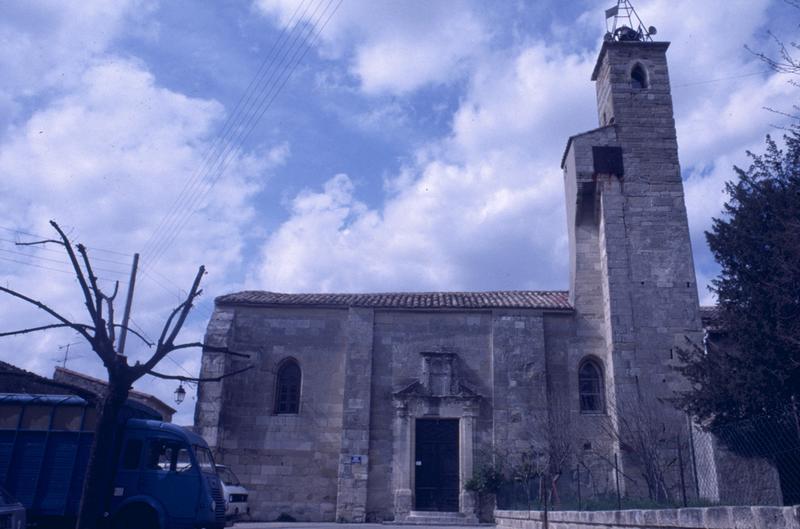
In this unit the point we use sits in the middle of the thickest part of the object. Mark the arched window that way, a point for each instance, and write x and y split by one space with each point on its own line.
639 77
287 388
590 386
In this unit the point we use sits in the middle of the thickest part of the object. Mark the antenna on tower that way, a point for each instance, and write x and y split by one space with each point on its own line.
627 26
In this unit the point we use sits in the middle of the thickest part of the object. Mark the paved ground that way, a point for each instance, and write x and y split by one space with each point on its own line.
331 525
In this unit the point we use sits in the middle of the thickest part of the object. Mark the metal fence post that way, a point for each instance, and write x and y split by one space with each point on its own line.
546 491
693 457
616 477
578 469
680 467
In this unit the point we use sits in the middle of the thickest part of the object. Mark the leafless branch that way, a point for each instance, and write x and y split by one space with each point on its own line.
209 348
97 293
183 378
87 295
786 64
35 243
187 306
171 330
81 328
138 335
44 328
110 303
168 325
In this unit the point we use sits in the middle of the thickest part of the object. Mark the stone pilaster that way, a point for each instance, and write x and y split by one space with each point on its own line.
401 467
351 500
208 410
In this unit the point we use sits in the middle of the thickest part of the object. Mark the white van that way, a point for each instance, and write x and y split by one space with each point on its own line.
235 494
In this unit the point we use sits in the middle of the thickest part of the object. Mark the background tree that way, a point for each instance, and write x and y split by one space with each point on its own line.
102 335
746 380
757 244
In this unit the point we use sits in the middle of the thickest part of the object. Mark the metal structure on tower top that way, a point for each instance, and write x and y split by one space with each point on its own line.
627 26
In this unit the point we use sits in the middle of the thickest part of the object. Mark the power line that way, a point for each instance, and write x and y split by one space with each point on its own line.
255 117
266 98
227 127
707 81
42 248
69 272
225 140
219 147
42 237
59 261
142 331
175 292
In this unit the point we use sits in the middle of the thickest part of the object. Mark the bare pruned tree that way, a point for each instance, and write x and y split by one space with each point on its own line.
101 333
546 459
786 61
654 449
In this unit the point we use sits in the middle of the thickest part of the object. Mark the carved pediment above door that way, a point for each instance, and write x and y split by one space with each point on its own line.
438 382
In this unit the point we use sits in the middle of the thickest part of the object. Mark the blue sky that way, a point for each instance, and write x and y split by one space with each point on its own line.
416 146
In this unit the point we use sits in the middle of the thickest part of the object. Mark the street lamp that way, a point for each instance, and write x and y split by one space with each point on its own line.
180 393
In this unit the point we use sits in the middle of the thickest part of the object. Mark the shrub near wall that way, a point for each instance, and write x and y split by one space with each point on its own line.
698 518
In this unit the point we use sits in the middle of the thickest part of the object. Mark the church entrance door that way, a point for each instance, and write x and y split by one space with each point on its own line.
436 465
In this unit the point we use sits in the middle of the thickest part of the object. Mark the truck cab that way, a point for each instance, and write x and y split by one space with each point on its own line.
166 477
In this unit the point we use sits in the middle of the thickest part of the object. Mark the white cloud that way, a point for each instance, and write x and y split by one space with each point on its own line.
48 43
106 154
398 47
531 102
476 210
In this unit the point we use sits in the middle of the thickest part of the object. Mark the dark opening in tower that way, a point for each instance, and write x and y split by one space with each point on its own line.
639 77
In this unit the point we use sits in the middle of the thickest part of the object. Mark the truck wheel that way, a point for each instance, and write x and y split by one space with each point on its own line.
137 518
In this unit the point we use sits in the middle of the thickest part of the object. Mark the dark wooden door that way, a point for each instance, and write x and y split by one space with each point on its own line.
436 465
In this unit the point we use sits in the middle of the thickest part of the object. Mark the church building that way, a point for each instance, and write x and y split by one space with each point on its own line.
380 406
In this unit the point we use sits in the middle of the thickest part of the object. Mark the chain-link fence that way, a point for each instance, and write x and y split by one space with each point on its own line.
748 462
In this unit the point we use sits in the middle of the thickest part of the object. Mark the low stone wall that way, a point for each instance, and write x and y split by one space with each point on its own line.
695 518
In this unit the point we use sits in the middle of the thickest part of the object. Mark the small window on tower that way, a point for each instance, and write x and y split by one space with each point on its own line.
638 77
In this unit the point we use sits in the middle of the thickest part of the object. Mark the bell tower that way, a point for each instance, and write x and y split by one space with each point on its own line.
632 279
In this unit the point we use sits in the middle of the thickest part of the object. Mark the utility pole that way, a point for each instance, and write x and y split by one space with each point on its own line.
128 302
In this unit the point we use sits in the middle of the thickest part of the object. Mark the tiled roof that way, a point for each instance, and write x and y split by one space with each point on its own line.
525 299
16 380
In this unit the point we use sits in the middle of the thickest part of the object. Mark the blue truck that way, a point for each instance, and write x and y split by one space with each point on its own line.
165 474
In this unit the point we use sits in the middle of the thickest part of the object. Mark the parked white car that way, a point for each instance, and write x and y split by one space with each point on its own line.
235 494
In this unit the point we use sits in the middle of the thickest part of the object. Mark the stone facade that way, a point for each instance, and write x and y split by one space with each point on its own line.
499 369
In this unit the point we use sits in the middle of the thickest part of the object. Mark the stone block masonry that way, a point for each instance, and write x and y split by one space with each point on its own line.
693 518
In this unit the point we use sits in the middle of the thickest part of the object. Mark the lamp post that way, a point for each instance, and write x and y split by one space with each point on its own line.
180 393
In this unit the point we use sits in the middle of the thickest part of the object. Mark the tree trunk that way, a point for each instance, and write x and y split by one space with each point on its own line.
102 461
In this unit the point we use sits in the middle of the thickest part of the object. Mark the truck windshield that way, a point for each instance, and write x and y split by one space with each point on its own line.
204 459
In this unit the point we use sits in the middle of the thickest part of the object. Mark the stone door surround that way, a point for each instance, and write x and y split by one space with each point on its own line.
438 393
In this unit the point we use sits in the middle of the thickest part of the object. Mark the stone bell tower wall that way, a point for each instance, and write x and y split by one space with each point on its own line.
632 274
650 271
